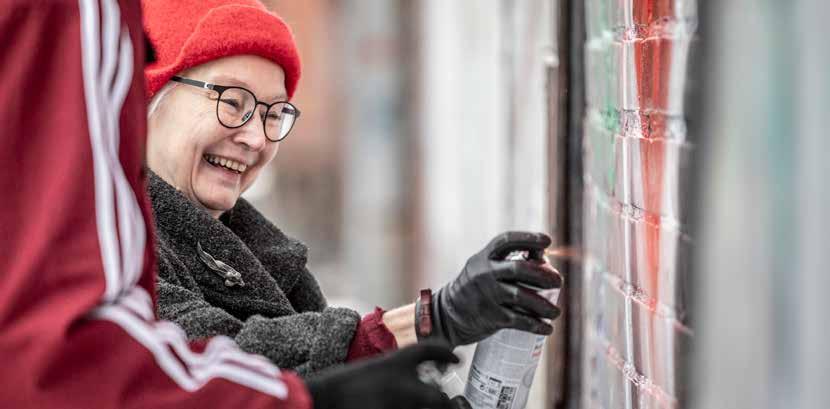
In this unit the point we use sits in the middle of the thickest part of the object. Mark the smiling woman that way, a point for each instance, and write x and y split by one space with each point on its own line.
210 162
218 113
220 108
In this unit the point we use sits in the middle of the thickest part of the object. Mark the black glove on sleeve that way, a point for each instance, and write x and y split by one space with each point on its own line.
485 297
460 402
388 381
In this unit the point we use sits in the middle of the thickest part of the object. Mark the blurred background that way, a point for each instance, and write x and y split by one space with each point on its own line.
424 134
674 149
414 116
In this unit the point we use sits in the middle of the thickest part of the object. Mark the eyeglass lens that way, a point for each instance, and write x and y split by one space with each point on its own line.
237 105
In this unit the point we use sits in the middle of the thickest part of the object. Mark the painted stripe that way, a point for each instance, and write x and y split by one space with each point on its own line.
107 79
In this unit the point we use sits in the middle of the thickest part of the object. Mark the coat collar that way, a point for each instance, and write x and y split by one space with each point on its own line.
242 238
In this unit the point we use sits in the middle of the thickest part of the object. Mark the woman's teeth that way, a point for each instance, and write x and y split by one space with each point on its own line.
226 163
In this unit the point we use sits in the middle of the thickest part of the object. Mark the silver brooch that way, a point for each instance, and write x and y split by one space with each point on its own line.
228 273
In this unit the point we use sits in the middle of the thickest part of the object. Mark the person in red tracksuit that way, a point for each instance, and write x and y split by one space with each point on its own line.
77 322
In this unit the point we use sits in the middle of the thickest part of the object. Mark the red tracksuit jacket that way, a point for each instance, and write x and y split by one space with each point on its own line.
77 324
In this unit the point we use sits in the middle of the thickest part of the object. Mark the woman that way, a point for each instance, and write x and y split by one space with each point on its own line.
219 110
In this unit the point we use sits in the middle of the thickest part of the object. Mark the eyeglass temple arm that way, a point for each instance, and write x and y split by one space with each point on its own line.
194 83
205 85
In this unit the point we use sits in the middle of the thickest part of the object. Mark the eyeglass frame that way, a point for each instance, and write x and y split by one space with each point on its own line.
221 89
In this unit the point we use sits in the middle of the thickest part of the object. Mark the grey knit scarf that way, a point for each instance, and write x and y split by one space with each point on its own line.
279 312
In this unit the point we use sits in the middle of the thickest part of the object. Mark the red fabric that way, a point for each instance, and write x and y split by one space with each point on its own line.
187 33
77 327
371 338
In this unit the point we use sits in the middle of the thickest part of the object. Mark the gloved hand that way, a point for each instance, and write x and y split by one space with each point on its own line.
388 381
484 298
460 402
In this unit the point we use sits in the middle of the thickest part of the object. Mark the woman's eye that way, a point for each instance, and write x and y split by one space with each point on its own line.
232 102
273 116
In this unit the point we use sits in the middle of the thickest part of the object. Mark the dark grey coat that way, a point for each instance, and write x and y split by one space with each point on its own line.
279 313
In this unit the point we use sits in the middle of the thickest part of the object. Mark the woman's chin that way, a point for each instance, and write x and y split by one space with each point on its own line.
217 202
216 194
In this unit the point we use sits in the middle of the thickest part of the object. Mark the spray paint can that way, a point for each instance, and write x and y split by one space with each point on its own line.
504 364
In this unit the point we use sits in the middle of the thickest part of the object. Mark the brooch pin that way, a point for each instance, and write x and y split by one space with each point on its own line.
228 273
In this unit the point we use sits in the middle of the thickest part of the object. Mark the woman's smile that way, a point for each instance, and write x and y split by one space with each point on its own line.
222 173
226 163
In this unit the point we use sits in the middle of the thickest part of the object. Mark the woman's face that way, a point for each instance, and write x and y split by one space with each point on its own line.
185 139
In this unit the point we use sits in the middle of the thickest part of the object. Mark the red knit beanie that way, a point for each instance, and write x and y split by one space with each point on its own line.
186 33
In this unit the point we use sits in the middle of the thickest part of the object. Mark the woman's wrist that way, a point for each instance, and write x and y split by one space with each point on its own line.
401 323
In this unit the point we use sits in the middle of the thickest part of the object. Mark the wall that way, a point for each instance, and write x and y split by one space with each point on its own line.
636 240
764 200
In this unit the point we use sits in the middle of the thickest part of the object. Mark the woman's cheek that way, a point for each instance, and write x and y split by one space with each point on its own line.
249 178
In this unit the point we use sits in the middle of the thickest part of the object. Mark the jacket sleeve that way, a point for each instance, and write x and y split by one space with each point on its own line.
305 342
371 337
77 327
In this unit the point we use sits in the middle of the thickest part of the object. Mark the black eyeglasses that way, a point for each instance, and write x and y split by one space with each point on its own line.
235 106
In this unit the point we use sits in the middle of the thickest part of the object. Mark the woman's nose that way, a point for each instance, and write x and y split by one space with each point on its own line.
252 134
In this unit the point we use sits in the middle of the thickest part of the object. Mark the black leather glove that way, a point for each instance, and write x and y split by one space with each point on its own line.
460 402
388 381
484 298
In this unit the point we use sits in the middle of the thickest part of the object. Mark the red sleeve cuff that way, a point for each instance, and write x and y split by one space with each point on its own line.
371 338
298 394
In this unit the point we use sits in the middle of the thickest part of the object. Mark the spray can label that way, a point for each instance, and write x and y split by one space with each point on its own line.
503 367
